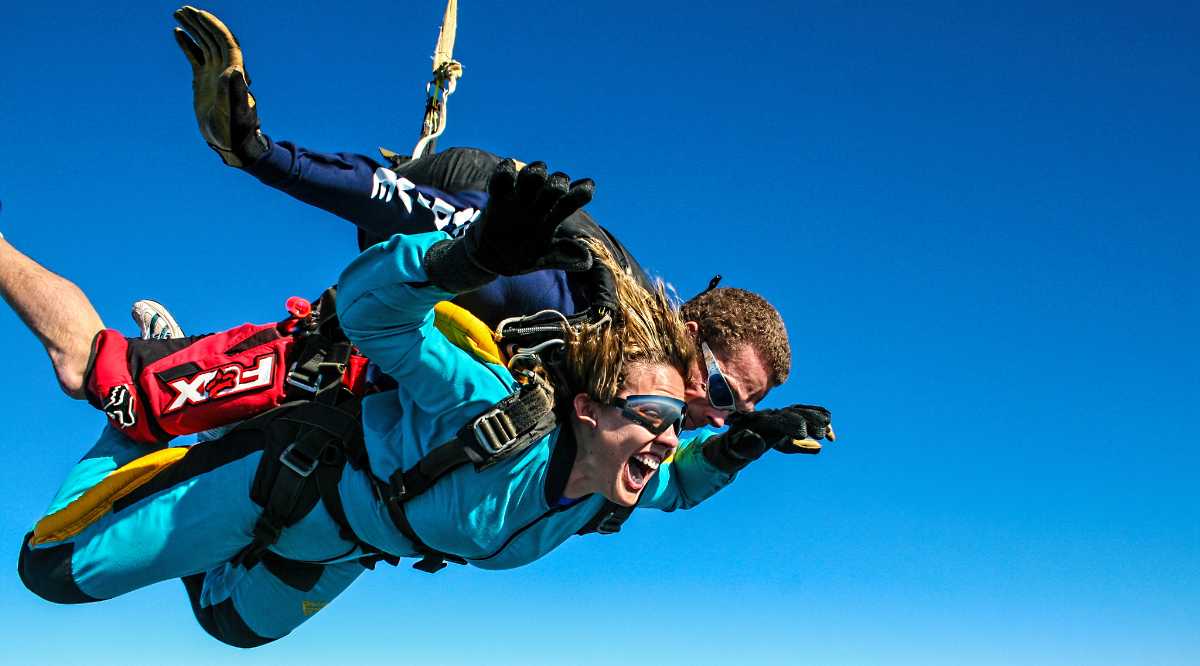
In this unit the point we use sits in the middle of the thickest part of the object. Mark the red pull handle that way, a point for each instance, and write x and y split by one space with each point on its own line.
299 307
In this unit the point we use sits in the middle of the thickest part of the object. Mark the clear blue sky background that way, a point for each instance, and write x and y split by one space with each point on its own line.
979 224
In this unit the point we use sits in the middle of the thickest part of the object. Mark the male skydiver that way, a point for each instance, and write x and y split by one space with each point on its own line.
742 337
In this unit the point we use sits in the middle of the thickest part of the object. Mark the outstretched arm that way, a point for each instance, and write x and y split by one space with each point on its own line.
55 310
705 464
685 480
380 200
386 296
385 305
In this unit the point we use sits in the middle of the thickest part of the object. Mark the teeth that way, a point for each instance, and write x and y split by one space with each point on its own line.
648 460
636 475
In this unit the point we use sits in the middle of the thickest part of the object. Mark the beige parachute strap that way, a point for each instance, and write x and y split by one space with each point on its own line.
446 72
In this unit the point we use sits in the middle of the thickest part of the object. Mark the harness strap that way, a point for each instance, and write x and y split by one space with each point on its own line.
506 429
328 477
319 360
324 359
608 519
285 492
432 561
306 472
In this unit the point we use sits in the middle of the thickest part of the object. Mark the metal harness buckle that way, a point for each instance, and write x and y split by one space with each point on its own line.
494 432
298 462
296 379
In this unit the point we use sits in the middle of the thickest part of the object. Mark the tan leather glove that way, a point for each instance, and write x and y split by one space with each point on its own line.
225 110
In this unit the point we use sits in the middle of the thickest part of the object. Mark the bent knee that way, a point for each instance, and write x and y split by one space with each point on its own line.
223 623
222 620
48 573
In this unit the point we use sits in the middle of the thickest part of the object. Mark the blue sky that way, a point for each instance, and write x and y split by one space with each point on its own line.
979 222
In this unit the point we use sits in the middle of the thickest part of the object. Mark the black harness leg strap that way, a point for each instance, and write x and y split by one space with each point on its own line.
306 472
328 477
282 485
432 561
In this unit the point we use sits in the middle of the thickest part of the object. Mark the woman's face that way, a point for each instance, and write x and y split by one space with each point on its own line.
618 455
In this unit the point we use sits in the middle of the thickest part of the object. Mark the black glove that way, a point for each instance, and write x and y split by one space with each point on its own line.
225 109
794 429
517 233
598 283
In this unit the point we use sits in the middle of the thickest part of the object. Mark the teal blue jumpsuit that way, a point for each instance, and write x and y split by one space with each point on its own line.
192 518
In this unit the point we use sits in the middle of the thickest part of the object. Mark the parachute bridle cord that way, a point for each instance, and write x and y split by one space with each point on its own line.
438 92
605 320
446 72
538 344
504 323
527 364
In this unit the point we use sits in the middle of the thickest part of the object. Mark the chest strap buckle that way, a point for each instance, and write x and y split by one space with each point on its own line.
494 432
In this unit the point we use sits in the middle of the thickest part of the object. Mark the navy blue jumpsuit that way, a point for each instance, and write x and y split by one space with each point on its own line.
439 192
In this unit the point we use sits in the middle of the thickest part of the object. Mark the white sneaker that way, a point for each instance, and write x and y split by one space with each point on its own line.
155 321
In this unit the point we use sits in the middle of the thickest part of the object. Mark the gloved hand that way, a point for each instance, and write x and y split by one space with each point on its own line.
225 109
517 232
794 429
598 282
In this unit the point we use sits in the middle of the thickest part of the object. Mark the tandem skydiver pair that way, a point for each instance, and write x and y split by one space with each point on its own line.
126 518
469 217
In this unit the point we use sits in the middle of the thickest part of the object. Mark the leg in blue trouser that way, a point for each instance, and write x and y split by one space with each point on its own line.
186 518
111 451
266 602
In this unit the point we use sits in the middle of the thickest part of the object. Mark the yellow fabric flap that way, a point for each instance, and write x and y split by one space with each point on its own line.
467 332
98 500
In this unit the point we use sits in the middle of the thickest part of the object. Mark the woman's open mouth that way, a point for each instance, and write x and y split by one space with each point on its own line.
638 470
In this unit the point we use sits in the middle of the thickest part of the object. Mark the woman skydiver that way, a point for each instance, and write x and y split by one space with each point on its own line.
268 524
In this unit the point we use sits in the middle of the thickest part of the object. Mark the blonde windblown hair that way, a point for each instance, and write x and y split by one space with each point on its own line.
649 330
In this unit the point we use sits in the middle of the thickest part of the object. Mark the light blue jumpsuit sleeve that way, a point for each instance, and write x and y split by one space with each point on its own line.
385 304
686 480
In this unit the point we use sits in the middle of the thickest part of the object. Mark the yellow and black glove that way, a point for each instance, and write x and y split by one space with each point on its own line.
794 429
225 109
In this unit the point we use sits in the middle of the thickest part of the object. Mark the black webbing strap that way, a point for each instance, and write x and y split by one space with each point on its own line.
504 430
432 561
289 485
319 362
321 351
608 519
328 477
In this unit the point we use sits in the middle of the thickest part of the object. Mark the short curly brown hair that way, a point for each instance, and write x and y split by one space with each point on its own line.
729 318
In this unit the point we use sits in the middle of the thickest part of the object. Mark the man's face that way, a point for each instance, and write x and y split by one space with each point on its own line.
746 375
